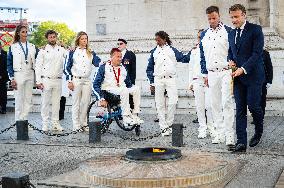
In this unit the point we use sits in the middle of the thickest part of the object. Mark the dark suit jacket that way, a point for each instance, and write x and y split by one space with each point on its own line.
268 67
3 67
249 53
129 62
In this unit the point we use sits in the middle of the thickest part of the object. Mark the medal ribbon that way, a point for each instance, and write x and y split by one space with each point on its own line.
25 52
116 76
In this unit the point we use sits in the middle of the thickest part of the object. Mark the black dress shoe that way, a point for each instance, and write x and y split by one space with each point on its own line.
231 147
195 120
240 148
156 120
254 140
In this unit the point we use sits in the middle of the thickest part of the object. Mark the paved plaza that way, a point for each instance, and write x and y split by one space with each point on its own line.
44 157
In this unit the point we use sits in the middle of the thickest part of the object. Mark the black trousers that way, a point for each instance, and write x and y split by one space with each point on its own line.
62 107
3 96
248 96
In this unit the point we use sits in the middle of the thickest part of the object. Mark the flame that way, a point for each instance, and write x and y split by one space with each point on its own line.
157 150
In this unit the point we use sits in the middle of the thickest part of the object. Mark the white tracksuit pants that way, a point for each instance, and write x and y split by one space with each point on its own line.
169 84
81 97
124 97
202 103
23 94
222 103
51 94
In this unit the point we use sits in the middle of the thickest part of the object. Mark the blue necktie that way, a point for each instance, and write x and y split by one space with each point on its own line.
238 39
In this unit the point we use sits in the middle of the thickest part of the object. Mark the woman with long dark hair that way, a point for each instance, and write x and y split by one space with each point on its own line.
162 66
20 65
78 70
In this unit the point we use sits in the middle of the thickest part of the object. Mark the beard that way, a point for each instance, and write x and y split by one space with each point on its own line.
52 43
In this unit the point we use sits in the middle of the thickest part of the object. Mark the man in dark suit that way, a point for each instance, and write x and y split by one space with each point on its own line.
129 62
245 54
3 81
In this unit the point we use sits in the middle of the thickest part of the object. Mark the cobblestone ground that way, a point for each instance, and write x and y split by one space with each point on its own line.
43 157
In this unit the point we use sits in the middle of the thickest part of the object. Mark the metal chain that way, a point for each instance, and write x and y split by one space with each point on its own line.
141 138
28 184
57 134
7 129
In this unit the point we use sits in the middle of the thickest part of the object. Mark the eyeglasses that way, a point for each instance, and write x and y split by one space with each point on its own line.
120 43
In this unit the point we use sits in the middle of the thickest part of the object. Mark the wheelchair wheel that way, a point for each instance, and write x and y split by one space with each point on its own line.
95 111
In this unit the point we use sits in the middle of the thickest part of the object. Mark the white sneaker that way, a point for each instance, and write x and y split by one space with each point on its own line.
128 121
45 127
212 133
230 140
202 134
75 127
218 140
137 120
57 127
166 133
86 129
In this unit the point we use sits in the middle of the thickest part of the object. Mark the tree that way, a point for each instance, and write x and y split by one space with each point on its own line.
65 34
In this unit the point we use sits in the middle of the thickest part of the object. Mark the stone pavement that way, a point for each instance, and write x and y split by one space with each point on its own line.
43 157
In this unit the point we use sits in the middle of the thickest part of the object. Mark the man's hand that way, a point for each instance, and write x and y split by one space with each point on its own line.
14 84
71 86
238 72
206 81
40 86
103 103
190 87
232 64
152 89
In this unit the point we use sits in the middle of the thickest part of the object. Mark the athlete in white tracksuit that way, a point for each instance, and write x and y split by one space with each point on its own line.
78 70
49 71
20 65
201 94
161 72
214 48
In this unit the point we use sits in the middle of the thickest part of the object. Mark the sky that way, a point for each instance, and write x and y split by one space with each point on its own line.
71 12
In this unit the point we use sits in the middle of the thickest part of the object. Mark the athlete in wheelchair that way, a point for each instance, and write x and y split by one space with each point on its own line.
112 87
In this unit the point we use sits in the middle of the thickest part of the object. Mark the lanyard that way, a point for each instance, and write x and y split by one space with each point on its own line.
116 76
25 52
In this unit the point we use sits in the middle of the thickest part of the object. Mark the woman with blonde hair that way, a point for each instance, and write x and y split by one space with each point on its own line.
78 70
20 65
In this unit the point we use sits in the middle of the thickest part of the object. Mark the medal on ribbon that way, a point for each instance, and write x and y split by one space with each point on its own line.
25 52
116 76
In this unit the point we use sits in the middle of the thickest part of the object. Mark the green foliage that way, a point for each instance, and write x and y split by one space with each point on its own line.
7 38
65 35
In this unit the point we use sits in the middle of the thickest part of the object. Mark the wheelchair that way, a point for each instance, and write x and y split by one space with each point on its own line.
112 113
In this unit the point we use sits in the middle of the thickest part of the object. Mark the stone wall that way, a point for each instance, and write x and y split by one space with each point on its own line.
138 20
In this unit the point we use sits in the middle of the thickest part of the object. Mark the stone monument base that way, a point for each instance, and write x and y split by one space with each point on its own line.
196 169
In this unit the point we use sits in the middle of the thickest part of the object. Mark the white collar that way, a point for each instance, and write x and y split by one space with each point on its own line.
243 26
220 25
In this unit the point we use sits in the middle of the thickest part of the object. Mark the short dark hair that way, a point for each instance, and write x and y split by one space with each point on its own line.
165 36
122 40
211 9
50 32
236 7
114 50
